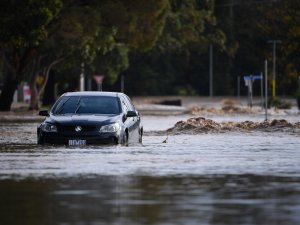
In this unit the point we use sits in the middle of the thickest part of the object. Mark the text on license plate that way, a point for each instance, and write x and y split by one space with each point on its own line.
77 142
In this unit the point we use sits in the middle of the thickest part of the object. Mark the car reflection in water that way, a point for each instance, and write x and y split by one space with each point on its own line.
81 118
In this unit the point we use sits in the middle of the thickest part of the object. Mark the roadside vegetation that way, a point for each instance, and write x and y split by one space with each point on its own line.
160 47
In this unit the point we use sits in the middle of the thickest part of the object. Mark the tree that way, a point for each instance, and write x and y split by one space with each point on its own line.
23 26
137 24
99 33
77 33
174 65
282 23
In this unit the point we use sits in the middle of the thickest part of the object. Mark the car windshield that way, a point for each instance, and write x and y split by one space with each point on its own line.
87 105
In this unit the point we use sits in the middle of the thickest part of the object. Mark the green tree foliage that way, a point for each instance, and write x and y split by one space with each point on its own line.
280 21
138 23
122 26
98 33
112 63
161 46
75 36
247 26
178 62
23 26
190 25
245 43
24 22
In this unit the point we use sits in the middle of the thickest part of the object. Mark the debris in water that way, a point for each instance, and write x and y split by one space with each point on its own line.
202 125
229 107
166 140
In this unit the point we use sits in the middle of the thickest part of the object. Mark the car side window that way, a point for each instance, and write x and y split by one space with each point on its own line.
129 103
124 105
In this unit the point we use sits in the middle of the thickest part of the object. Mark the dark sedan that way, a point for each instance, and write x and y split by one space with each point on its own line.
81 118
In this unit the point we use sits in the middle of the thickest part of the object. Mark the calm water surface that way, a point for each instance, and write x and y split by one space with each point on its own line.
228 178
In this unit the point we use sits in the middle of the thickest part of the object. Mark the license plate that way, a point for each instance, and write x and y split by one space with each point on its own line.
77 142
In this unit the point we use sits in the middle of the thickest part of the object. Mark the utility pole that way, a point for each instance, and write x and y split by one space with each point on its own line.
211 59
274 42
266 90
262 90
81 80
210 70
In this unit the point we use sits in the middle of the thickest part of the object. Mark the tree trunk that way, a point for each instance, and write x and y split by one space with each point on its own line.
7 94
15 67
37 91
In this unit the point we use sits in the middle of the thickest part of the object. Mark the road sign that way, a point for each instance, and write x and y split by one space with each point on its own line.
99 80
249 80
252 77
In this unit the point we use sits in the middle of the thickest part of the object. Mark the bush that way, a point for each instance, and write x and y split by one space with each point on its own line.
278 103
186 91
298 97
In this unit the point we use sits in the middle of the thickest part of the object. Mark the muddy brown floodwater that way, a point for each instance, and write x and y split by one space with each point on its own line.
237 177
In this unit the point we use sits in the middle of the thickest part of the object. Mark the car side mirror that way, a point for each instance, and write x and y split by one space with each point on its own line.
43 113
131 114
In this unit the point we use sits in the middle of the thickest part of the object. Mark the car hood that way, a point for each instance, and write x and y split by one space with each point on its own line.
83 119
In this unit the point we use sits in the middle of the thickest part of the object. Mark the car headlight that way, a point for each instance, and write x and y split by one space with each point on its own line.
110 128
46 127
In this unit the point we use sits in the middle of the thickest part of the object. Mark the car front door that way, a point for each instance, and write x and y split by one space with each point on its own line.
128 121
135 120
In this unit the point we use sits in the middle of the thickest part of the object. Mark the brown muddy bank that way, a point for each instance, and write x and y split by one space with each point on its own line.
21 116
199 125
226 109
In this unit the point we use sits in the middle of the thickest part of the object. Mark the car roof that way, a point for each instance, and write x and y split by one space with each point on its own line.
93 93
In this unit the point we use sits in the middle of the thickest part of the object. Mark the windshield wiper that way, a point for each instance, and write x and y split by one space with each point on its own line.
62 107
78 105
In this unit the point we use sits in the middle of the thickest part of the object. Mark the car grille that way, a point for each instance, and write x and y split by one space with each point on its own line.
71 128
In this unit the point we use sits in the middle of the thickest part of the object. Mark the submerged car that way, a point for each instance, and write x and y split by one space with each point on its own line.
82 118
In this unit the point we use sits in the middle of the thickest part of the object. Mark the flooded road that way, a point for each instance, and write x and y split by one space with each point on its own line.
223 178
